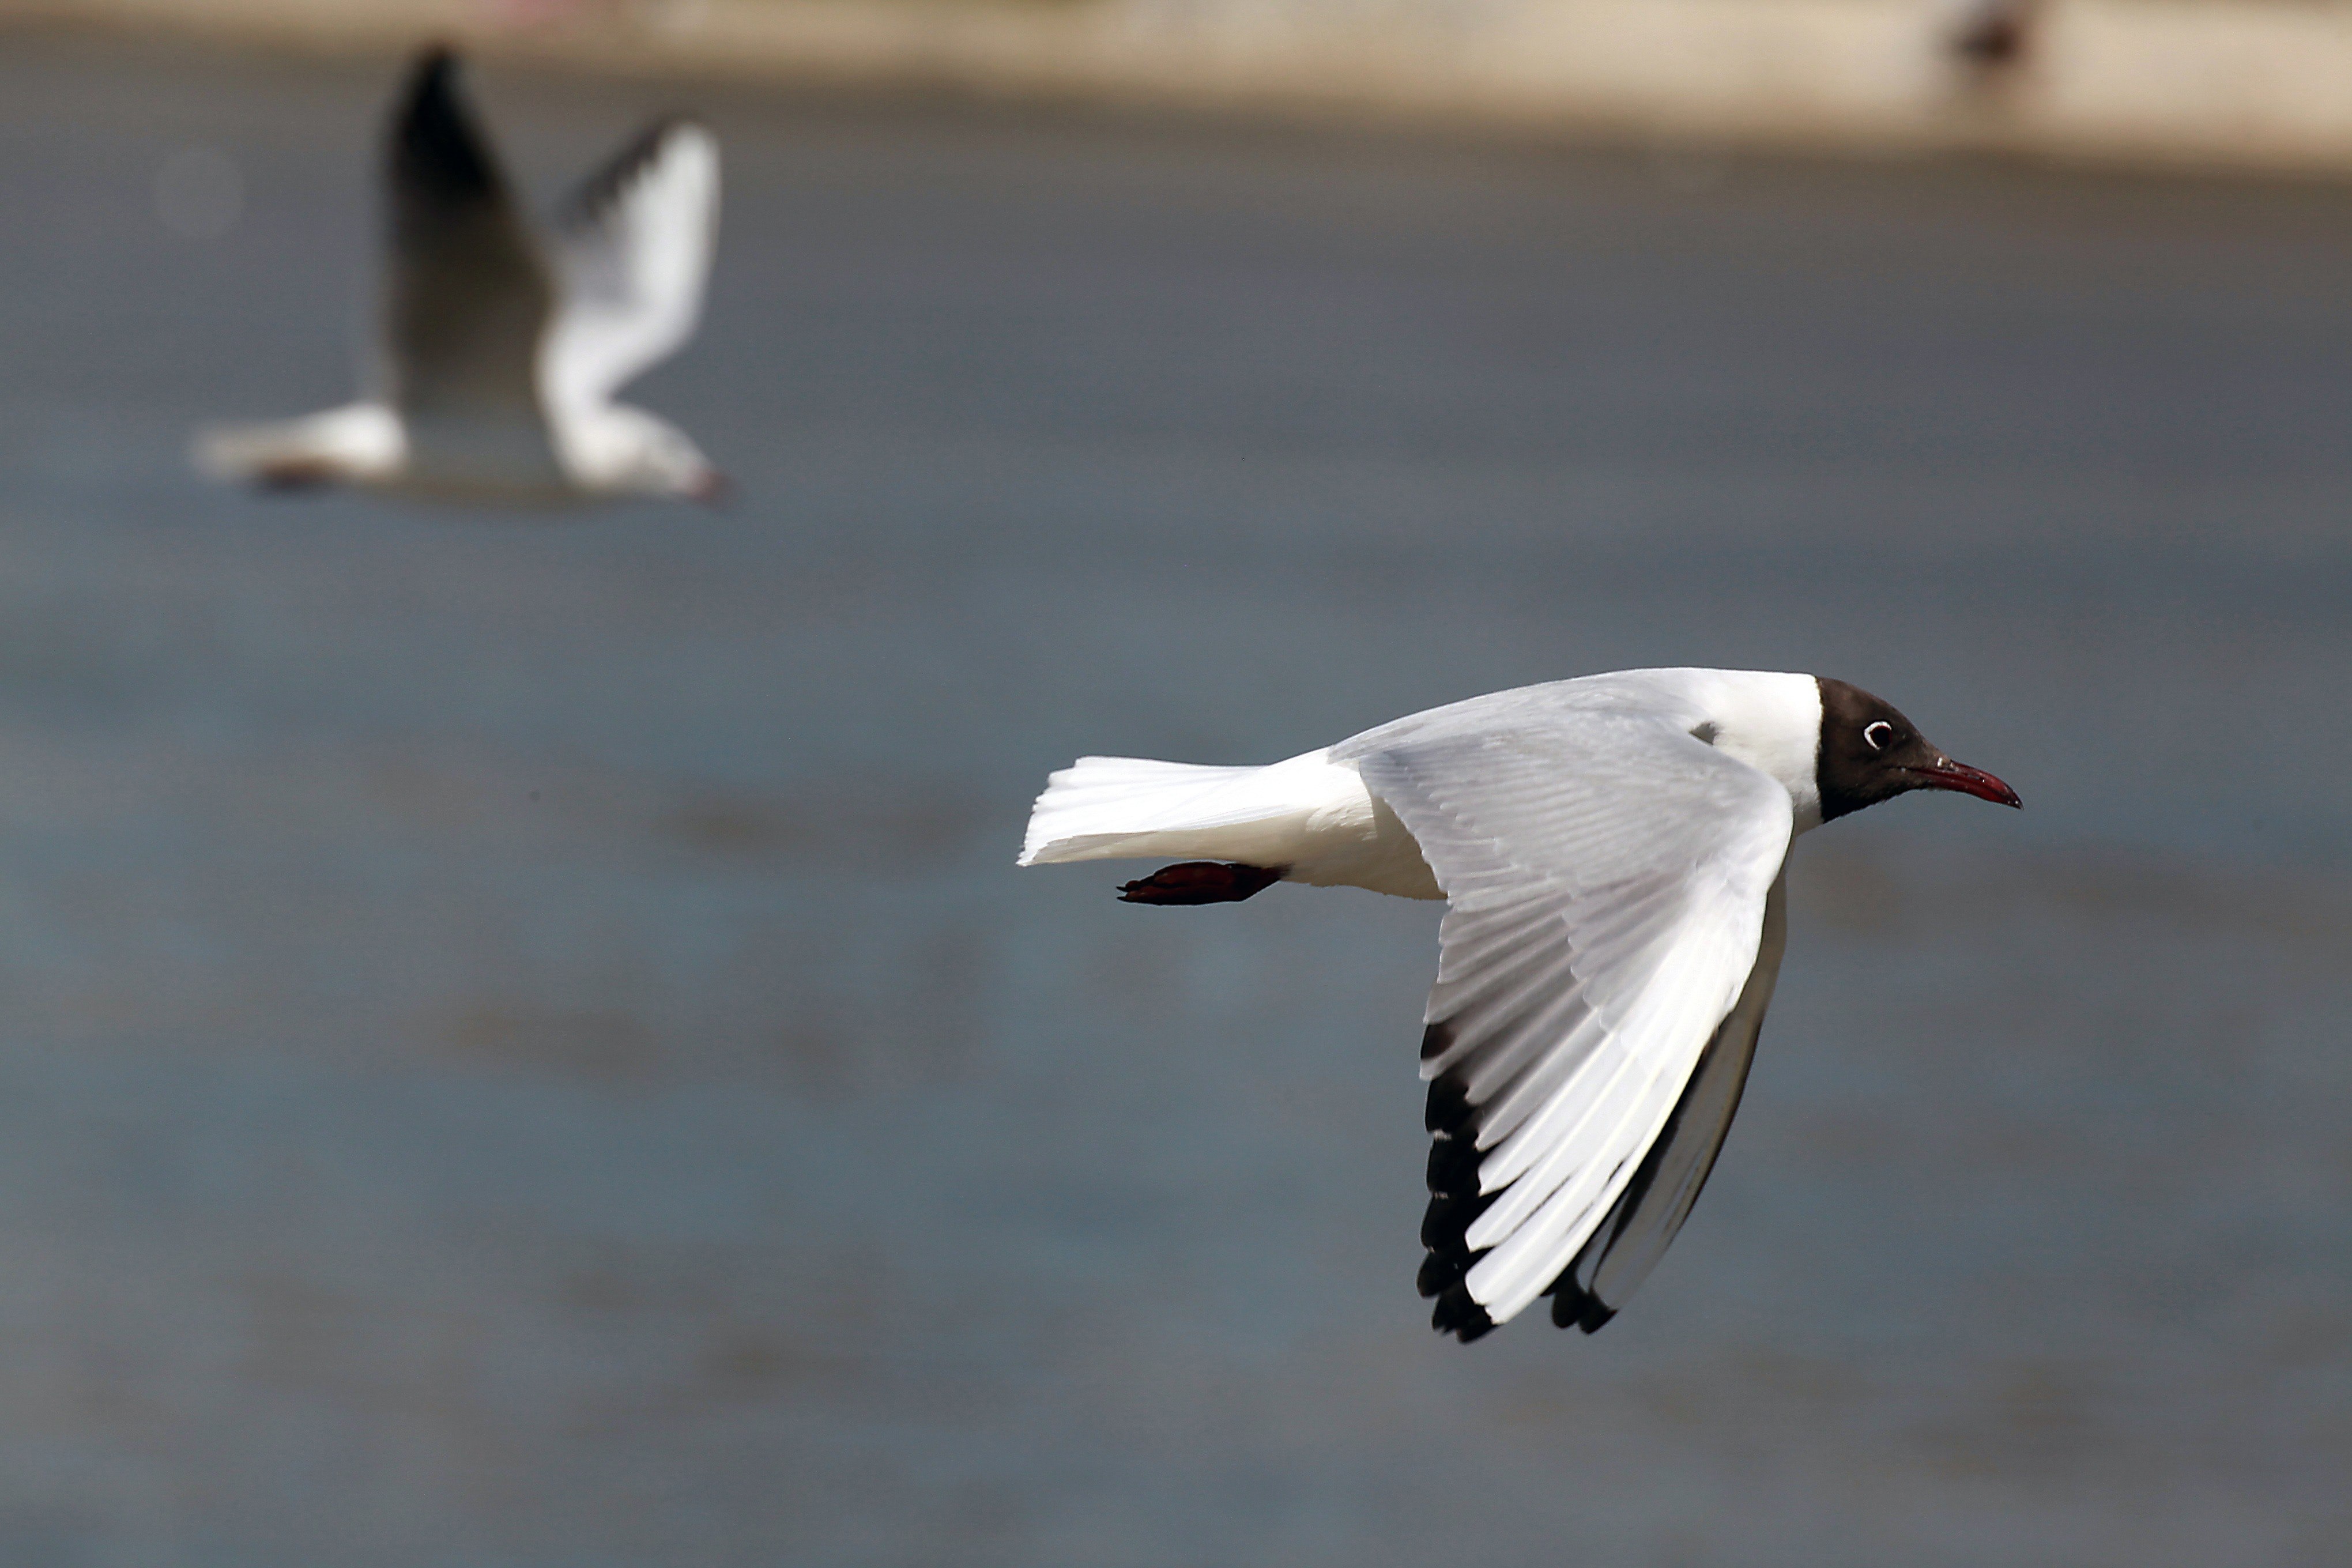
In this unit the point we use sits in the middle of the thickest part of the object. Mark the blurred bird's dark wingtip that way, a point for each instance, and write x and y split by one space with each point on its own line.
436 59
430 92
437 155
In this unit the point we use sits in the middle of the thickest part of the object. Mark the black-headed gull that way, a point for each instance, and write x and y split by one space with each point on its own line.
498 352
1613 851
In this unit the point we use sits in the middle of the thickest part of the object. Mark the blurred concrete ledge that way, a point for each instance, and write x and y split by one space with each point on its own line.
2243 83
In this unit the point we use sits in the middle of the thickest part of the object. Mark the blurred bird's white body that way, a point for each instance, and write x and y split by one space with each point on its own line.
357 444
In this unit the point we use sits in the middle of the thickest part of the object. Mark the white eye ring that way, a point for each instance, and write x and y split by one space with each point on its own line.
1876 734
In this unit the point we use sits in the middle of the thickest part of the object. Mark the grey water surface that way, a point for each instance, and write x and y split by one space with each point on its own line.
523 1046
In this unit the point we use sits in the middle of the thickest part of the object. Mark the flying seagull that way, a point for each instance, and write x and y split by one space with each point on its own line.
499 350
1612 850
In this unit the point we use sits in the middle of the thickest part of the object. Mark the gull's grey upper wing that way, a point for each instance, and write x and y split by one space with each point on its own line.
467 296
1608 874
632 251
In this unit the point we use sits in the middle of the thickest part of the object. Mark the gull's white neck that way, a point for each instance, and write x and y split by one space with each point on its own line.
1771 722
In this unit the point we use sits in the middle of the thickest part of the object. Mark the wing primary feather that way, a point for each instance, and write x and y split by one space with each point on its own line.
1447 1109
596 194
1505 1053
1573 1302
1453 1166
1454 1205
1666 1187
1573 1307
1473 986
1600 1102
439 159
1459 1314
1529 983
1508 1102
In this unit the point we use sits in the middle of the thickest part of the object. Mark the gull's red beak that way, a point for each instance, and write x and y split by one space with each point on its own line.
1945 773
713 489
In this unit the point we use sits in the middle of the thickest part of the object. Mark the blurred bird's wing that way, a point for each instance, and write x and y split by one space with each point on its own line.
632 251
467 296
1609 875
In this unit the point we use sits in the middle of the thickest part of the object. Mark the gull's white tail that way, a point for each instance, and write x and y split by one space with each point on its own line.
1105 808
359 443
1309 817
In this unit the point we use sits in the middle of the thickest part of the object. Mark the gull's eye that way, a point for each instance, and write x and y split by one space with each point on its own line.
1876 734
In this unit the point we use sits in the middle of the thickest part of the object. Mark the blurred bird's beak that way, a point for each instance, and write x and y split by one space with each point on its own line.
713 489
1945 773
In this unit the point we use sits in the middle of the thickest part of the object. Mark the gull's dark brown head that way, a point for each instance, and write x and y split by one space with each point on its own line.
1871 752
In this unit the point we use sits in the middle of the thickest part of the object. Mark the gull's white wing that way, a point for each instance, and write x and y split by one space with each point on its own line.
1630 1240
465 296
633 249
1608 873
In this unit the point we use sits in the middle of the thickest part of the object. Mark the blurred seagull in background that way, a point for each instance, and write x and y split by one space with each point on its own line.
1613 851
499 352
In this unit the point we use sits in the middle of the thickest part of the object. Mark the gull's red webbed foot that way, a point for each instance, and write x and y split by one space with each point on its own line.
1200 882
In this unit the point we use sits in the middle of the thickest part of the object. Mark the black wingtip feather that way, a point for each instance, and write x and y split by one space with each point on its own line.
1453 1166
1448 1108
1454 1205
1573 1307
1456 1314
432 70
437 152
597 193
1443 1223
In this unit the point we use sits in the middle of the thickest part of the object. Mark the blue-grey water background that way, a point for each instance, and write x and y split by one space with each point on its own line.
521 1043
